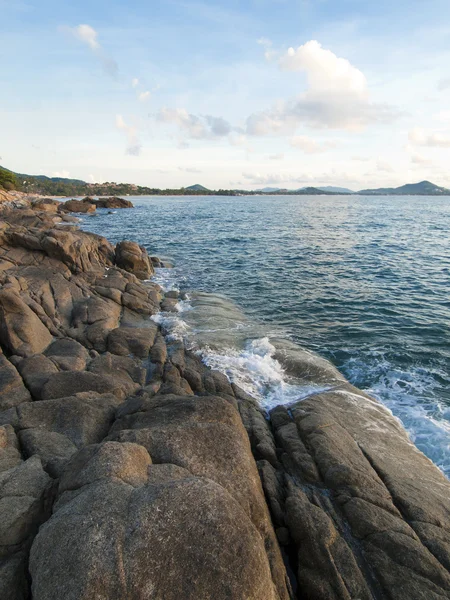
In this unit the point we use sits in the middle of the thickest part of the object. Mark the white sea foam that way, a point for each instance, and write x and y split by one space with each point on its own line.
413 397
258 373
167 279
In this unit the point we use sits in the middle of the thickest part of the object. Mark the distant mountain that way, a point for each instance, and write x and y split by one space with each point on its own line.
268 190
336 190
23 177
197 188
424 188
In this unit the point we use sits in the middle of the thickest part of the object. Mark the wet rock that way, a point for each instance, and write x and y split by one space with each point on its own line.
348 486
134 259
169 304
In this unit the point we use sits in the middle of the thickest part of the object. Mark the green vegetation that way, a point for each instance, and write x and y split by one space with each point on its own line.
8 180
58 186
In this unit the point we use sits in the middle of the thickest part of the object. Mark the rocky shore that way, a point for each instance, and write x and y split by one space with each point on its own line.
131 471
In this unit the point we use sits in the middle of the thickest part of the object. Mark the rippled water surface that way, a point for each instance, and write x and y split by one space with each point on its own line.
363 281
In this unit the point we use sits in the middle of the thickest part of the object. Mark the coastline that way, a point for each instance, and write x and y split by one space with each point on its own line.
117 412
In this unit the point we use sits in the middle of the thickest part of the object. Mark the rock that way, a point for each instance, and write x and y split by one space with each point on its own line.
68 354
21 331
85 418
67 383
161 521
133 258
132 340
46 204
36 371
23 508
169 305
172 294
348 487
128 462
12 388
78 206
205 435
124 374
54 449
9 449
113 202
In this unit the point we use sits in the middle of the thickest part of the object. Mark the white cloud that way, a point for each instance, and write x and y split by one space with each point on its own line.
298 180
443 116
134 147
195 127
144 96
190 170
134 82
337 96
89 36
257 178
62 173
422 137
267 44
276 156
443 84
384 166
309 145
237 139
418 159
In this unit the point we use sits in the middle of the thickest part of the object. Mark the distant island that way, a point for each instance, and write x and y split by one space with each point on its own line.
61 186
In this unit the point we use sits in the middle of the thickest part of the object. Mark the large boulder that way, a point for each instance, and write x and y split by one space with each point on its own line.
113 202
12 388
132 340
78 206
124 528
204 435
21 331
84 418
134 258
23 508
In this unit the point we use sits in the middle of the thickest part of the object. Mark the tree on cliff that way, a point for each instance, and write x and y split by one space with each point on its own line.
8 180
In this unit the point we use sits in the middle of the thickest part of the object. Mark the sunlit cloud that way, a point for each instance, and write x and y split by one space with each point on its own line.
89 36
423 137
336 97
134 147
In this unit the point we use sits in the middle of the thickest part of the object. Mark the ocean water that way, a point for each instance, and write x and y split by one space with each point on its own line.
362 281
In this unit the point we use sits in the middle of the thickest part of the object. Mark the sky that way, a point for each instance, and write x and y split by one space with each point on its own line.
228 94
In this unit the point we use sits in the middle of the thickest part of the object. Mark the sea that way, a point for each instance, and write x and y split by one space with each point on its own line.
363 281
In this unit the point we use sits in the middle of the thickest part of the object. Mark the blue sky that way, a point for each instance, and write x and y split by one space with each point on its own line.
228 94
